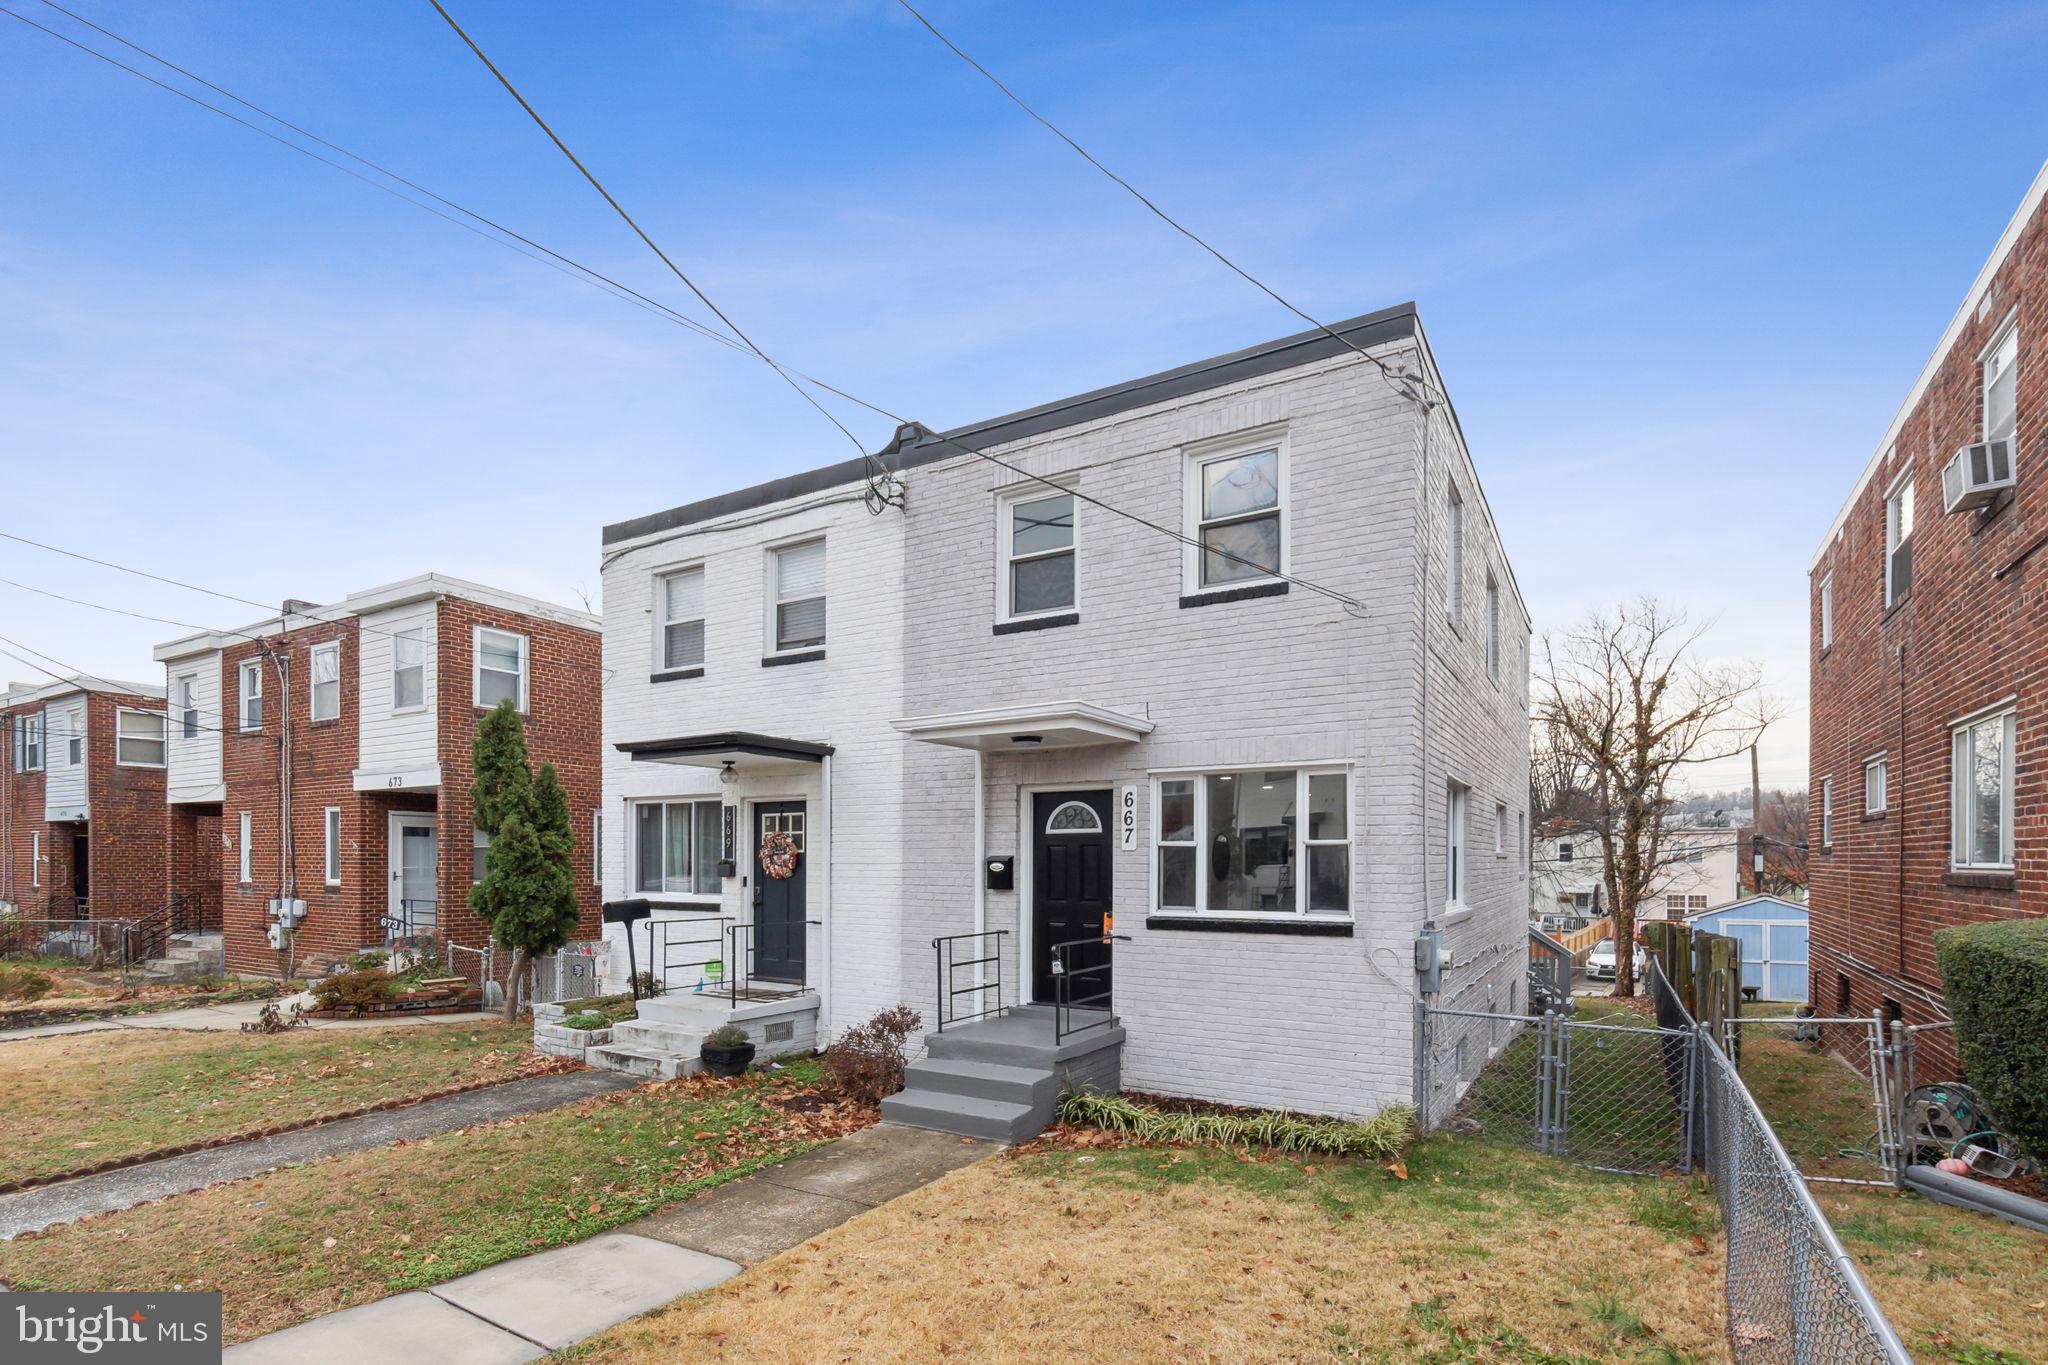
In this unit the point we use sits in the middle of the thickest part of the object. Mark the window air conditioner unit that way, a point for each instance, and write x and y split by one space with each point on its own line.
1977 474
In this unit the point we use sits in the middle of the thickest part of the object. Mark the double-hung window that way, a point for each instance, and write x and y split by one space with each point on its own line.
1257 842
500 668
188 706
1500 829
408 669
796 575
74 736
28 744
1898 540
2001 388
1827 813
246 870
330 862
138 738
1454 555
1827 611
1564 851
676 847
1037 532
479 854
1239 507
1982 797
325 680
679 620
1875 782
250 679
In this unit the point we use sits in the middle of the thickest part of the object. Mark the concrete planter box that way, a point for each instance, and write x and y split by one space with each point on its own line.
558 1040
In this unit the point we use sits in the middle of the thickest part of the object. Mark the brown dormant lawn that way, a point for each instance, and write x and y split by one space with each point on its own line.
1483 1253
79 1099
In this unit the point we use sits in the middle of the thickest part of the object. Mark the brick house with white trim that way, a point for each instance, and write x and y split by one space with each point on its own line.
1929 654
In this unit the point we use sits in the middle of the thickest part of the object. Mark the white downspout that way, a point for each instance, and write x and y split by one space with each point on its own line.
980 861
825 908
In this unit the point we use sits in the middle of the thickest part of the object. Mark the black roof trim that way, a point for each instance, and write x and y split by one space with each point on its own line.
726 742
914 446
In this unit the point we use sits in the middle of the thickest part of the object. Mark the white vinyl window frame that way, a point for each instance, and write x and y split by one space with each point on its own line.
408 660
668 615
1007 558
2000 372
477 670
1899 522
329 651
74 737
2000 724
1827 610
330 861
249 696
125 718
1827 813
779 596
245 870
636 872
35 860
1500 829
1876 785
28 743
597 848
1199 778
186 696
1198 459
1457 865
1454 553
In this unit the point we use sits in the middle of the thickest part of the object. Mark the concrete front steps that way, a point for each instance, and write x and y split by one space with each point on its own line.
1001 1078
662 1042
187 957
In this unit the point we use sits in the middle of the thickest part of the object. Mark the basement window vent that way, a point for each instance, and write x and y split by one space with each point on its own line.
780 1033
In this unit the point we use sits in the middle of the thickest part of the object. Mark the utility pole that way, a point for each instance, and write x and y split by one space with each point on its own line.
1756 815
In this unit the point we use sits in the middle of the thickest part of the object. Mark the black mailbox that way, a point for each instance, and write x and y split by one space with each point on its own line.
1002 873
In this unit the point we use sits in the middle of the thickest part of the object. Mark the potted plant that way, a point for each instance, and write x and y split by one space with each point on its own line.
726 1050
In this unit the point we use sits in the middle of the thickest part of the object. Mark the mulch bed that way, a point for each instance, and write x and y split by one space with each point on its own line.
538 1066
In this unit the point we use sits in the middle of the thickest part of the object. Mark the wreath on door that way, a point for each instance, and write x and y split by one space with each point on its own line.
778 855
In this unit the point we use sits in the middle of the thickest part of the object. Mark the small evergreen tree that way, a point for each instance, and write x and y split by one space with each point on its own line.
528 891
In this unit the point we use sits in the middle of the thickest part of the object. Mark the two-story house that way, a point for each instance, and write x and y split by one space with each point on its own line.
323 756
1225 664
81 806
1929 598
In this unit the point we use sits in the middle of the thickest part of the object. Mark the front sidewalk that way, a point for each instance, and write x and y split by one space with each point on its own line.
519 1310
230 1018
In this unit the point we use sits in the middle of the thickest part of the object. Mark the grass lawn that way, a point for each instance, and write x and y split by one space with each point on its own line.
312 1239
1484 1253
74 1100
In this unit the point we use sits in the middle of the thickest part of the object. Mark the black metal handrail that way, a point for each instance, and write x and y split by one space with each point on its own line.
987 950
1086 987
414 918
677 945
150 936
740 974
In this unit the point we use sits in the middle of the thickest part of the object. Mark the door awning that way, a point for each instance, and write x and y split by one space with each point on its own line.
1020 729
728 746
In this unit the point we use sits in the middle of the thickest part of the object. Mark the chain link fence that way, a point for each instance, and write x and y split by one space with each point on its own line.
577 972
1650 1093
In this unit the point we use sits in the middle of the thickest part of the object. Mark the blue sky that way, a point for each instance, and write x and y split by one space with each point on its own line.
1680 263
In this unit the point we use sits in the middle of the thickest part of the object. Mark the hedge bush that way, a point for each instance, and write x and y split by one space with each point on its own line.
1996 978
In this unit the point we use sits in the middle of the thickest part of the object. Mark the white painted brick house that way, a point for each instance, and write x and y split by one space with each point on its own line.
1013 673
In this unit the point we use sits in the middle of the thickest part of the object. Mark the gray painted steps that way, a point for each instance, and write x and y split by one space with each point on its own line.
1001 1078
1028 1085
967 1115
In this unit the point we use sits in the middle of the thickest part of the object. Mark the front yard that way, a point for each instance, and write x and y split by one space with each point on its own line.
79 1099
1102 1253
312 1239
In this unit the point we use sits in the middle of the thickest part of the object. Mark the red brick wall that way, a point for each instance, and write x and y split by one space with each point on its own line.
1962 638
126 804
21 818
193 856
562 727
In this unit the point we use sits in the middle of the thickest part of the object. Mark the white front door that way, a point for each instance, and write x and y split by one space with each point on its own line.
414 863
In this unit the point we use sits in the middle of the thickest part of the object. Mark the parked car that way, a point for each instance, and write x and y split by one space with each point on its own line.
1601 962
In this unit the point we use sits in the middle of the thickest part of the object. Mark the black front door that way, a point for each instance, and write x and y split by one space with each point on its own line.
1070 886
779 901
81 873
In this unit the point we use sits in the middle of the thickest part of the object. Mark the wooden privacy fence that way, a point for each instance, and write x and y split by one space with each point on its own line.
1705 972
1580 942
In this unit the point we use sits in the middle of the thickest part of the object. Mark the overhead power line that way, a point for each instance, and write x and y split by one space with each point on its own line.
1413 386
1349 603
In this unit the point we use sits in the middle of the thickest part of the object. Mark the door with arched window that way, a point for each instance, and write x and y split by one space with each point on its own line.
1070 885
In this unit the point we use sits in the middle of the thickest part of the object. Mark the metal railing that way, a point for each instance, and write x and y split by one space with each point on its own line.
743 980
1081 983
63 905
984 950
150 936
98 943
698 944
413 919
1550 972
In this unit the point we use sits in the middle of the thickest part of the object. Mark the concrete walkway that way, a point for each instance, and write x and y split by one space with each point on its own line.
520 1310
32 1210
231 1017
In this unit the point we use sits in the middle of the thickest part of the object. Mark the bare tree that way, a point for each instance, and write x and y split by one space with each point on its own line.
1559 785
1782 824
1626 696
